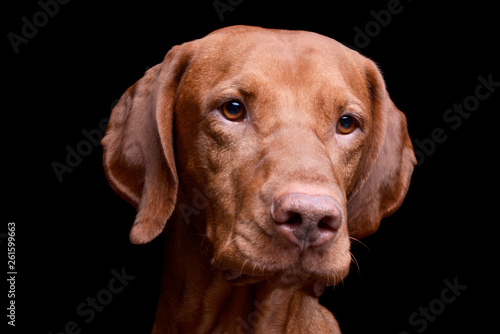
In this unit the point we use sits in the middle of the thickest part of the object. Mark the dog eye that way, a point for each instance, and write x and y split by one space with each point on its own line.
232 110
346 125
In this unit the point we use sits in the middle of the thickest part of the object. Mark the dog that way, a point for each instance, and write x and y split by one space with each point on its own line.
259 154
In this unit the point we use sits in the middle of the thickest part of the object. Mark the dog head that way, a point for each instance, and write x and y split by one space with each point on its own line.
291 136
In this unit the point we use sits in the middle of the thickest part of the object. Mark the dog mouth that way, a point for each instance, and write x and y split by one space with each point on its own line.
295 275
282 279
231 275
284 264
288 279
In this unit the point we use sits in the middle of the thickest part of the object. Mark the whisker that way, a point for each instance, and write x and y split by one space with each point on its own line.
241 271
223 248
361 242
353 259
204 236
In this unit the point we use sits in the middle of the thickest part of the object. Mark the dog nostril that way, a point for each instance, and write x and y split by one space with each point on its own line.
330 223
306 220
324 226
294 220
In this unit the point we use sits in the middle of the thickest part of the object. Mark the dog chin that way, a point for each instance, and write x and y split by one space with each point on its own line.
237 278
295 277
300 277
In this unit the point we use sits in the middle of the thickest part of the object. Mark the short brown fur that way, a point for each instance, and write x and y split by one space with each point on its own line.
170 153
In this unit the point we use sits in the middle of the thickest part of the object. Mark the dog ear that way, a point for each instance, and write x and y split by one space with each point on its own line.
138 146
386 176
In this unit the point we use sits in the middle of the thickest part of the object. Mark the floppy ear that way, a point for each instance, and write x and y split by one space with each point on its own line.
138 146
386 176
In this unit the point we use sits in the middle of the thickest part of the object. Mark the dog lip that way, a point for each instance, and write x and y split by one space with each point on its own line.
295 275
230 275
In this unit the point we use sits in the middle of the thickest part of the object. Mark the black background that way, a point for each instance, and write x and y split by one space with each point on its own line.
70 235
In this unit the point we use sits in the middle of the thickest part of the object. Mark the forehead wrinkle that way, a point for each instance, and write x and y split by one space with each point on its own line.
240 87
283 69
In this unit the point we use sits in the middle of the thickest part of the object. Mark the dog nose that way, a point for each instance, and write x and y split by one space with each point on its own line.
306 220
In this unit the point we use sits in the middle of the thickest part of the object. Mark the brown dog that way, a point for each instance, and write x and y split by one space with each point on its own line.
266 151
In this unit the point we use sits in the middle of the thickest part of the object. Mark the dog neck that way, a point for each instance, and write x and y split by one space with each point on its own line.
196 298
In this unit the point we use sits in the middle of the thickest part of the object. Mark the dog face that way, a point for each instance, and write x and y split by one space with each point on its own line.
292 136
